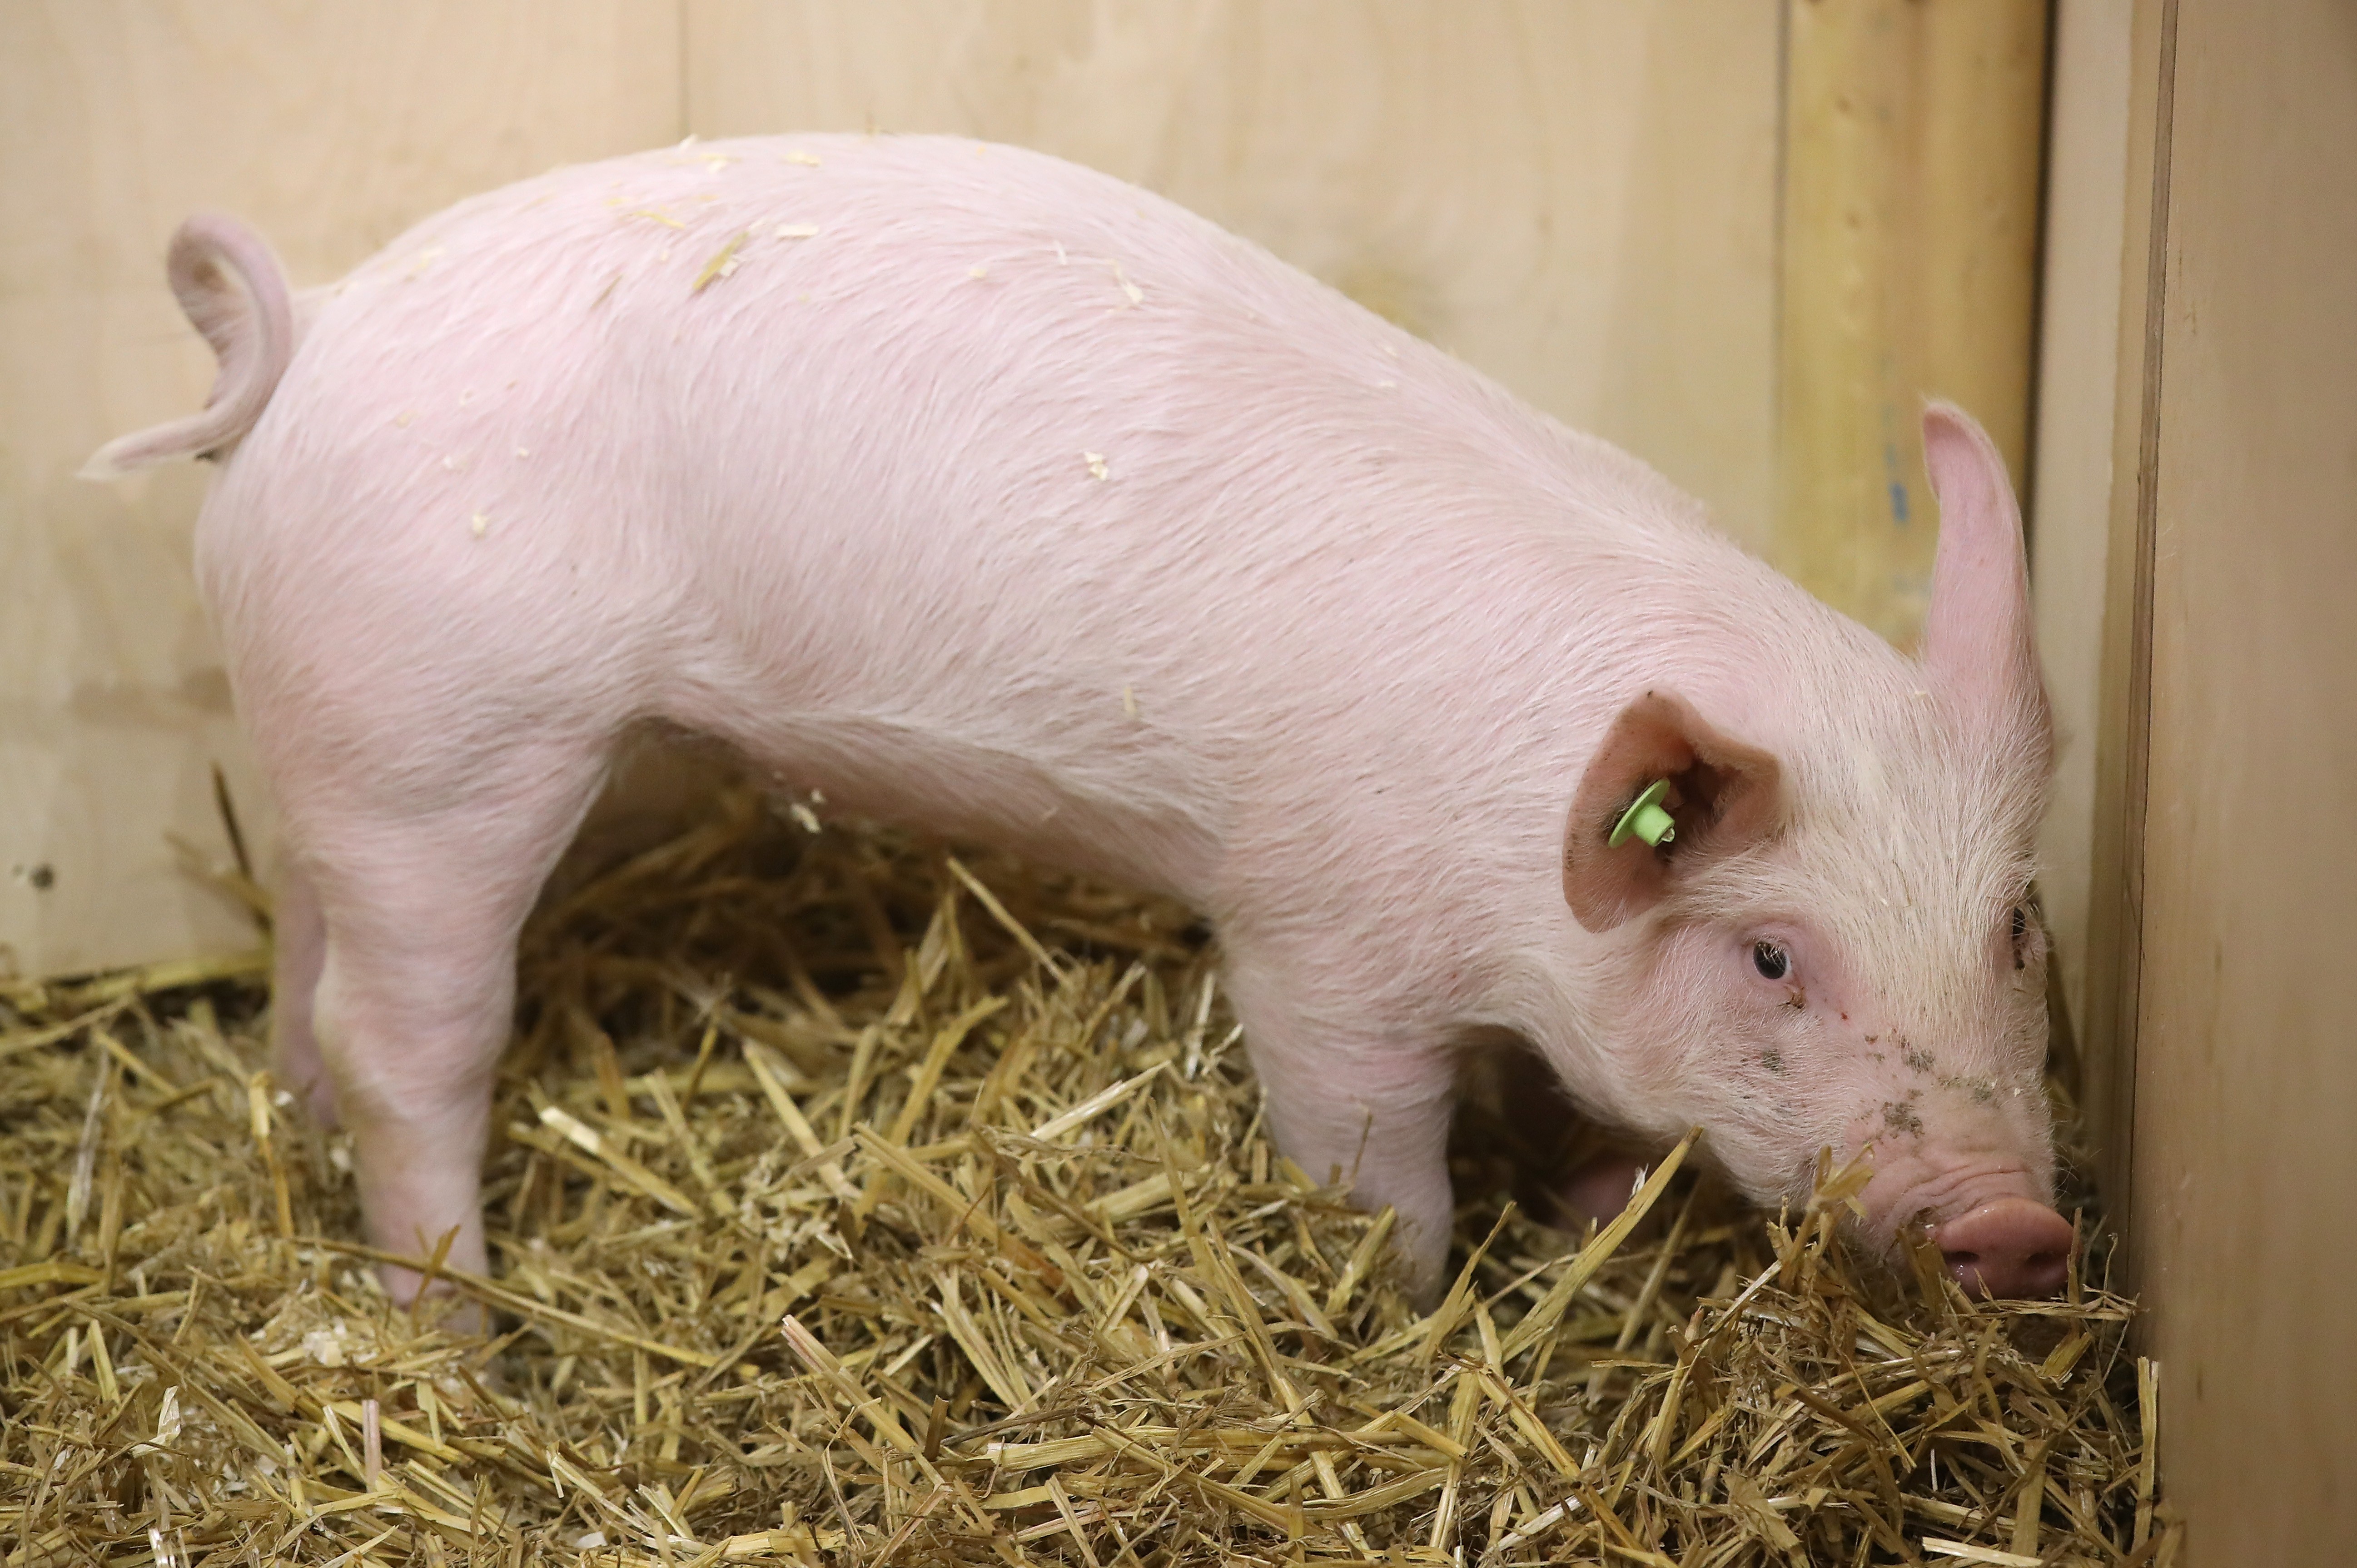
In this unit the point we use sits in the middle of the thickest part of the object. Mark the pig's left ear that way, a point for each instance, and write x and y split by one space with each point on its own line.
1978 646
1724 796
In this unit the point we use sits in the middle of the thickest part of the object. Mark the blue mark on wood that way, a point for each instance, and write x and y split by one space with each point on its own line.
1897 487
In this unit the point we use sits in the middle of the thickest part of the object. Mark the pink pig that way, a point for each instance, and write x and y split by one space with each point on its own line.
993 496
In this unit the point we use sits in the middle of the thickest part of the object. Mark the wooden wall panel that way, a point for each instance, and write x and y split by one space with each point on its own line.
330 125
1578 198
2245 1190
2115 874
2069 505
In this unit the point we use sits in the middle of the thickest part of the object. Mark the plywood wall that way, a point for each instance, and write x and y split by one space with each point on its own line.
1577 196
2241 1073
331 127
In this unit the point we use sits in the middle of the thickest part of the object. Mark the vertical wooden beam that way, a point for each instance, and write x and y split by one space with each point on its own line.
2078 365
1912 149
2115 897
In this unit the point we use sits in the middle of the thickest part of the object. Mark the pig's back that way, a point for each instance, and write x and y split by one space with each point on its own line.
935 470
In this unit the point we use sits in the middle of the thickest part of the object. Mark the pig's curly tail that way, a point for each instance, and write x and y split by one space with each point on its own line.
235 293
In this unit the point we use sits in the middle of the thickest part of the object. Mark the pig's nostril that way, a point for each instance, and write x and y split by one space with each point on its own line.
2040 1275
2011 1248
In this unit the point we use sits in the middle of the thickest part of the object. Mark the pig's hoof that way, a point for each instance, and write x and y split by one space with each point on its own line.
459 1316
1598 1190
2012 1247
438 1306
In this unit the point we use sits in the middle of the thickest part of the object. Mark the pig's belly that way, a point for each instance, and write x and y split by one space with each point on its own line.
911 773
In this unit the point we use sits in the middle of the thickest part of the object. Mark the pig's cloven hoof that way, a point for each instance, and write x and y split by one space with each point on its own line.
2012 1247
1598 1190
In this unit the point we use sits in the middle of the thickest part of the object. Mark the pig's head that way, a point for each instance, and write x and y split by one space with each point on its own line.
1836 948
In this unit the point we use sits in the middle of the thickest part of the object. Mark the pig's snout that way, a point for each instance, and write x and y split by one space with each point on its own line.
2014 1247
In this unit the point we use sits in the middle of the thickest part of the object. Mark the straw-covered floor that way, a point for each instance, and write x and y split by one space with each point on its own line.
851 1203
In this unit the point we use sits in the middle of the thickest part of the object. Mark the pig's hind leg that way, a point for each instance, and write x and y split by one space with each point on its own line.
421 911
299 940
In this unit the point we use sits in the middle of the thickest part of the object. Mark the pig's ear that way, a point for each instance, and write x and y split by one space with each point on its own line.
1724 796
1978 646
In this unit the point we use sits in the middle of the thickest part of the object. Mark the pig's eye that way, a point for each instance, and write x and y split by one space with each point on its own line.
2021 933
1772 962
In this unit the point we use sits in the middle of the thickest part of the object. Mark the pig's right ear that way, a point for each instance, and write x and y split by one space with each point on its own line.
1724 796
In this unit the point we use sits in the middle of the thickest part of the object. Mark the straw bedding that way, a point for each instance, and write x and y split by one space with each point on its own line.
852 1203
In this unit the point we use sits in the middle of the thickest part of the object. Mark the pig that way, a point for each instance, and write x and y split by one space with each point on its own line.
992 496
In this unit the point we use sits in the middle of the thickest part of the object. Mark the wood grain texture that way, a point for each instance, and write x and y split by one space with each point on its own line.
2107 1044
1912 143
1578 198
331 127
2070 509
2246 1174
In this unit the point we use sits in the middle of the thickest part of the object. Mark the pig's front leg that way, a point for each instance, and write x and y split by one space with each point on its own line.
1351 1097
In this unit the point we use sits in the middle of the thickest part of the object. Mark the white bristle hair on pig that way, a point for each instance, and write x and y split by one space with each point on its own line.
997 498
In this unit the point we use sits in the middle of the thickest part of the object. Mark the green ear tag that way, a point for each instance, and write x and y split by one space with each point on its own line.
1645 818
